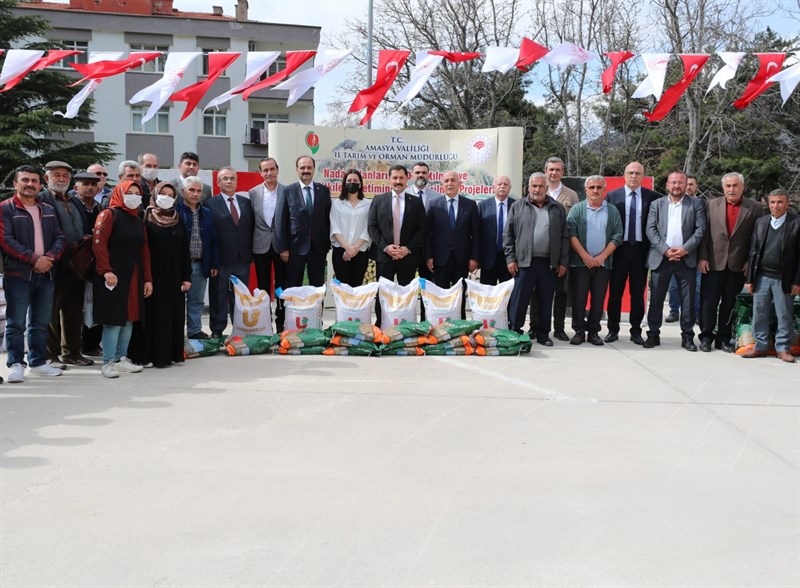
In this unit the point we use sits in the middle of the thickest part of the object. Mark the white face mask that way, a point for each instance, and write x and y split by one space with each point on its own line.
150 173
164 202
132 201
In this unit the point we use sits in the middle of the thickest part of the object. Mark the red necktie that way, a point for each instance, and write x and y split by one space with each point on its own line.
234 212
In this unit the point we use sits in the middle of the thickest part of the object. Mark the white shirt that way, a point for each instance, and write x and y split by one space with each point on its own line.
303 191
350 222
554 192
235 203
269 199
447 200
776 223
402 204
505 209
675 223
638 195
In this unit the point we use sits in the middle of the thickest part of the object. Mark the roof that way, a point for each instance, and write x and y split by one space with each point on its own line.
175 13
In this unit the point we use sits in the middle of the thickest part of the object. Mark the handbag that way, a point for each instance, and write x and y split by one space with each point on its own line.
82 261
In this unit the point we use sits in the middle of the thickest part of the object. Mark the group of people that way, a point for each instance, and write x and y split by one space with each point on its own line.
156 246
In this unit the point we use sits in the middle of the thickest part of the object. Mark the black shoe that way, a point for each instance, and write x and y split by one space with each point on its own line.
637 339
78 360
688 343
545 340
612 336
216 334
561 335
198 335
96 352
579 338
594 339
705 346
671 318
727 347
652 341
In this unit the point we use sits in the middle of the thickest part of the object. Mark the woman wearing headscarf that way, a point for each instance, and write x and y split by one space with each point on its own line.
123 280
158 340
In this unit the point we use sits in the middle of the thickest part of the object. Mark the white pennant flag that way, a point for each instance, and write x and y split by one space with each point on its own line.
158 93
257 63
789 77
568 54
500 59
78 99
656 65
17 62
324 62
426 64
727 71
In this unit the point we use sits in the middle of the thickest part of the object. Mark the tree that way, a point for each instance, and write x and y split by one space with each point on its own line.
29 131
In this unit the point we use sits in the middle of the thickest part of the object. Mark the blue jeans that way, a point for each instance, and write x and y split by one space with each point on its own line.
22 295
766 292
675 296
195 299
115 341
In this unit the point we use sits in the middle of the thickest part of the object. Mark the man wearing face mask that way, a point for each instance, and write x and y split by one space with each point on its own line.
421 188
148 162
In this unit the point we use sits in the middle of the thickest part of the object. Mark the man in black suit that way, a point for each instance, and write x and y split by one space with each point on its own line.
420 187
233 222
494 213
397 228
303 226
453 243
630 259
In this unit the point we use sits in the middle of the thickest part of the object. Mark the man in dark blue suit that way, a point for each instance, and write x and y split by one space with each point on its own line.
303 226
632 201
494 213
454 236
233 222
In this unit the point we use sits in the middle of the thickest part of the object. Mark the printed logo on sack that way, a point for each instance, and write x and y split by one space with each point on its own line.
479 149
301 322
250 317
489 323
312 141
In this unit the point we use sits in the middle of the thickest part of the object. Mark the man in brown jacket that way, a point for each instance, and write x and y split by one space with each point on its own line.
723 260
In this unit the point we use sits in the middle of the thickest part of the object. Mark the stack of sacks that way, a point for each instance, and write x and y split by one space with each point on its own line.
501 342
489 304
251 344
398 303
302 342
406 339
354 304
452 337
352 338
441 304
193 348
303 306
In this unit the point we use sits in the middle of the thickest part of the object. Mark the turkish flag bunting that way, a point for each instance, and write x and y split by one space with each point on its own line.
106 69
771 64
294 59
529 53
455 57
610 73
52 57
692 64
218 62
389 63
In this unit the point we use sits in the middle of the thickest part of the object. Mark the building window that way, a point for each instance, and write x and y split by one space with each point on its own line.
278 65
158 124
83 57
155 66
205 62
260 121
215 123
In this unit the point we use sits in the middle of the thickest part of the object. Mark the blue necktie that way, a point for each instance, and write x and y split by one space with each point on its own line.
309 202
452 214
500 228
632 220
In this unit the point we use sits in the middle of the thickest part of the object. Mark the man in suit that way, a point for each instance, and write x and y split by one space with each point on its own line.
452 245
421 188
723 260
189 167
632 201
303 226
676 224
494 214
266 255
233 224
773 275
396 226
536 245
692 187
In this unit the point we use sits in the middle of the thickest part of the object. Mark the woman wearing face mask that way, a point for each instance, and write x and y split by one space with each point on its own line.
349 234
158 340
123 277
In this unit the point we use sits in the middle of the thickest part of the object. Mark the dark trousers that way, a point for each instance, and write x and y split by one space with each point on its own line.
446 275
91 337
630 263
269 265
686 279
559 304
585 281
64 333
405 270
718 292
316 263
539 276
220 294
349 272
498 272
426 274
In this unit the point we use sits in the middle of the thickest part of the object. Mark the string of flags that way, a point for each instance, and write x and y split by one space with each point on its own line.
101 65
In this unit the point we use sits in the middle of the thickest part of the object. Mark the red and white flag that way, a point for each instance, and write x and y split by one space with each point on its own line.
52 57
566 54
727 71
257 63
616 57
788 78
389 63
74 105
692 64
529 53
158 93
454 56
106 69
653 84
500 59
294 59
218 62
324 62
18 62
426 64
770 64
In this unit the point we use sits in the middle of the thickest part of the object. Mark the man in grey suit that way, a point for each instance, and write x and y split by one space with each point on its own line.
675 226
266 256
494 213
421 188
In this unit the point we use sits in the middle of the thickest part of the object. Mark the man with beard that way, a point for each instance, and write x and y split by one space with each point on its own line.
421 188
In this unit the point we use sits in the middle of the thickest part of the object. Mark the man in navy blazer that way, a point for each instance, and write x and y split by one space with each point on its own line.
233 223
453 244
303 226
632 201
494 213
